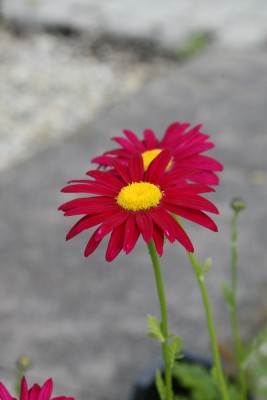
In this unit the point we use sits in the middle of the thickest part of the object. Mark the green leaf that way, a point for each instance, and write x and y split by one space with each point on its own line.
160 385
254 347
206 265
228 296
154 329
175 350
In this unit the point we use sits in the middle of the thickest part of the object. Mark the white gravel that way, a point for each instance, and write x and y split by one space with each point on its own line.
49 85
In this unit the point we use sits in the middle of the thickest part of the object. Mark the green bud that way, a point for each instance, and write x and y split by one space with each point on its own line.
23 363
238 204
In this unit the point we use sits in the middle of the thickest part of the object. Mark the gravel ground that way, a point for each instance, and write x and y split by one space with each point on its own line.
50 84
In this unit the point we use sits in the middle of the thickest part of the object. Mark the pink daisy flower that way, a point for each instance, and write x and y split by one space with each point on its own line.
133 201
36 392
186 144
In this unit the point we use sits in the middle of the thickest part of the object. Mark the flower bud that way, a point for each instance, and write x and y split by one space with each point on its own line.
238 204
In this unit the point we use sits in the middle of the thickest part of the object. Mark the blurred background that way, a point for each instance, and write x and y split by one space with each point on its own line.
74 73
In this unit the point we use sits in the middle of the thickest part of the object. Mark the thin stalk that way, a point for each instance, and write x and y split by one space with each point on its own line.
211 327
233 310
164 317
210 322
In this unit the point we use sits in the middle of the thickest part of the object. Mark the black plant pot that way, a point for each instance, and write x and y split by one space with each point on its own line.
145 387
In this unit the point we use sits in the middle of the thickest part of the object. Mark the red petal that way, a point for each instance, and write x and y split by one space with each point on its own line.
131 234
125 144
92 244
206 177
106 178
46 390
145 224
134 139
188 188
201 162
86 202
193 201
88 221
122 171
93 189
111 223
158 166
95 208
150 139
102 160
174 129
136 167
182 237
4 394
23 389
158 237
164 222
115 243
193 215
34 392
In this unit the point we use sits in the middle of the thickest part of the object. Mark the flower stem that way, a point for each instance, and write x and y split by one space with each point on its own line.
164 317
211 326
233 309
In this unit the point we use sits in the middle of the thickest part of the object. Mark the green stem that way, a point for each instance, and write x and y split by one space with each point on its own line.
233 309
164 317
211 326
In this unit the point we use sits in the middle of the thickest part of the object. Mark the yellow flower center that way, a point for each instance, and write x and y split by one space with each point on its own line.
139 196
149 155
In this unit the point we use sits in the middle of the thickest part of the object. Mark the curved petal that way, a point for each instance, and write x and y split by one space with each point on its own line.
158 166
46 390
158 237
93 188
122 171
96 208
86 202
92 244
145 224
34 392
150 139
164 221
23 389
111 223
125 144
4 394
131 234
136 167
191 201
196 216
115 243
88 221
134 139
106 178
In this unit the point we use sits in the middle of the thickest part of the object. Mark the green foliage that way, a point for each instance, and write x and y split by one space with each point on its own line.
198 383
194 44
197 380
154 329
175 349
254 347
160 385
228 296
206 265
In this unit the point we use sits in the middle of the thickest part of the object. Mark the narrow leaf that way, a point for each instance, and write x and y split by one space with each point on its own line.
175 350
254 346
228 296
154 329
160 385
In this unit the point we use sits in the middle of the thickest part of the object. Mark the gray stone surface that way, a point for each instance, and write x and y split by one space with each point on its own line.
169 22
83 321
